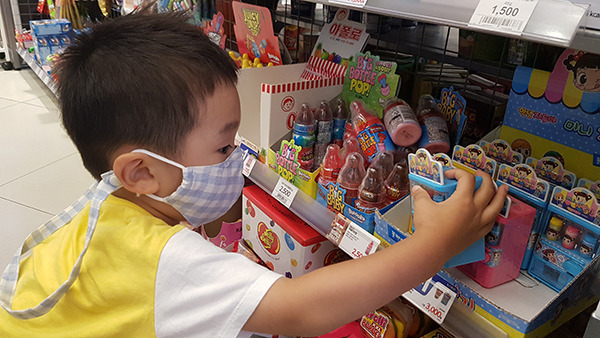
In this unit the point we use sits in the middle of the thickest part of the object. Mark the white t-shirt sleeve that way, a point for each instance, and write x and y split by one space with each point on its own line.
204 291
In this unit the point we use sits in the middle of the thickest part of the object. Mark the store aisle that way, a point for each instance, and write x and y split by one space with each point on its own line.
40 170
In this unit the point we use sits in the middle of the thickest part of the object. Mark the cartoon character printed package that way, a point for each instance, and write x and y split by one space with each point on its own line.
570 238
528 188
281 239
429 174
557 114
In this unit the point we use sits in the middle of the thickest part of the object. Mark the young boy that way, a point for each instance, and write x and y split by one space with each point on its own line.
143 85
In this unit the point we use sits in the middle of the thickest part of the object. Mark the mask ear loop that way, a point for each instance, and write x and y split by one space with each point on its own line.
160 158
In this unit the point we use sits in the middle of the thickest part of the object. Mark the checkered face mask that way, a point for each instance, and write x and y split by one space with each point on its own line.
206 192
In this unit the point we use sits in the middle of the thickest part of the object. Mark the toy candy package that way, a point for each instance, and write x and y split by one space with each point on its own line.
505 246
429 174
551 169
570 237
591 186
525 186
500 151
473 157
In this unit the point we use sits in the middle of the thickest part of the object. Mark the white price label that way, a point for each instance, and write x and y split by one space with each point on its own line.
510 16
356 241
249 163
284 192
433 298
355 3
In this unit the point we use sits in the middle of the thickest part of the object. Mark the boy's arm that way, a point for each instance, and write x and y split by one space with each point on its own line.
327 298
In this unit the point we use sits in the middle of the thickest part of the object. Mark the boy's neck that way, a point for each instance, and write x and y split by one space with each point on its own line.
157 209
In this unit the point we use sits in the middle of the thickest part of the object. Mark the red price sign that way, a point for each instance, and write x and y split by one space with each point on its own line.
434 311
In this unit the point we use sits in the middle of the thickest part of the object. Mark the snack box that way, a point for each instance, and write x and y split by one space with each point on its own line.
280 238
50 27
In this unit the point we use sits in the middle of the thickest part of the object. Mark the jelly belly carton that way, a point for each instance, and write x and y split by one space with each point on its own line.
557 113
281 239
569 240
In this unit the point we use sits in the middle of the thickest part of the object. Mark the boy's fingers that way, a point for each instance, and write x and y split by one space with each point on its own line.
484 194
491 211
466 181
420 196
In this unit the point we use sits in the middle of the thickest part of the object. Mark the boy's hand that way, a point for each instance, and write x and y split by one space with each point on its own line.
459 221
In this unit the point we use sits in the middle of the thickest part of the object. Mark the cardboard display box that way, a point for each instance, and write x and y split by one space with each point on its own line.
523 307
281 239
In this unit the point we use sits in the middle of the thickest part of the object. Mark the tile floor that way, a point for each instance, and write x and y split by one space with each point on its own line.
40 172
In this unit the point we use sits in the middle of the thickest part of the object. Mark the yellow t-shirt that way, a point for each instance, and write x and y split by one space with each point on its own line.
114 293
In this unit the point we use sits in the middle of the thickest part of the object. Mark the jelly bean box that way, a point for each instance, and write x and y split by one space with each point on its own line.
286 243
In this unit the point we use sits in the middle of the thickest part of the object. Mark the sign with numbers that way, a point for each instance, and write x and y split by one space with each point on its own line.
509 16
433 298
249 163
284 192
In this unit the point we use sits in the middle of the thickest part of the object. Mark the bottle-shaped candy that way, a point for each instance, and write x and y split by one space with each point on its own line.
554 228
331 165
340 116
351 176
371 192
397 184
385 161
351 146
570 237
324 120
401 122
434 135
304 136
349 131
372 136
587 246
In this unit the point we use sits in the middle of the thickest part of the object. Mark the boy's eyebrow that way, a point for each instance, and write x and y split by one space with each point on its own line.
229 127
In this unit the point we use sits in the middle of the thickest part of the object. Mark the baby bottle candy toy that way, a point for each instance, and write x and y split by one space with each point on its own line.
351 146
434 130
401 122
372 136
371 192
304 136
324 120
385 162
340 116
331 165
397 184
351 176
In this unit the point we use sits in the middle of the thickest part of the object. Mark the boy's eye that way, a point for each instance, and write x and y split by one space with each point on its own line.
225 149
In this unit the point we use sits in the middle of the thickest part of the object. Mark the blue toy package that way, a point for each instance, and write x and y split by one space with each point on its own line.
570 240
429 174
527 187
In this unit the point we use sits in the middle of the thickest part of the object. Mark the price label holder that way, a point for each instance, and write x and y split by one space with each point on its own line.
433 298
353 3
284 192
508 16
351 238
249 163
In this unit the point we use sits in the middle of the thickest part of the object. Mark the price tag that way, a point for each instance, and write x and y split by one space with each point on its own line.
351 238
433 298
249 163
355 3
284 192
510 16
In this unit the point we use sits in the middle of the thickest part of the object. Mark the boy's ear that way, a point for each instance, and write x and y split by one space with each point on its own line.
135 172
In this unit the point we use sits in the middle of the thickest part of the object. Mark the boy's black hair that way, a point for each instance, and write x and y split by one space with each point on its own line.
138 80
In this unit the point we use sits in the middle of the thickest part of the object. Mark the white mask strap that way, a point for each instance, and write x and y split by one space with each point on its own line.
158 157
